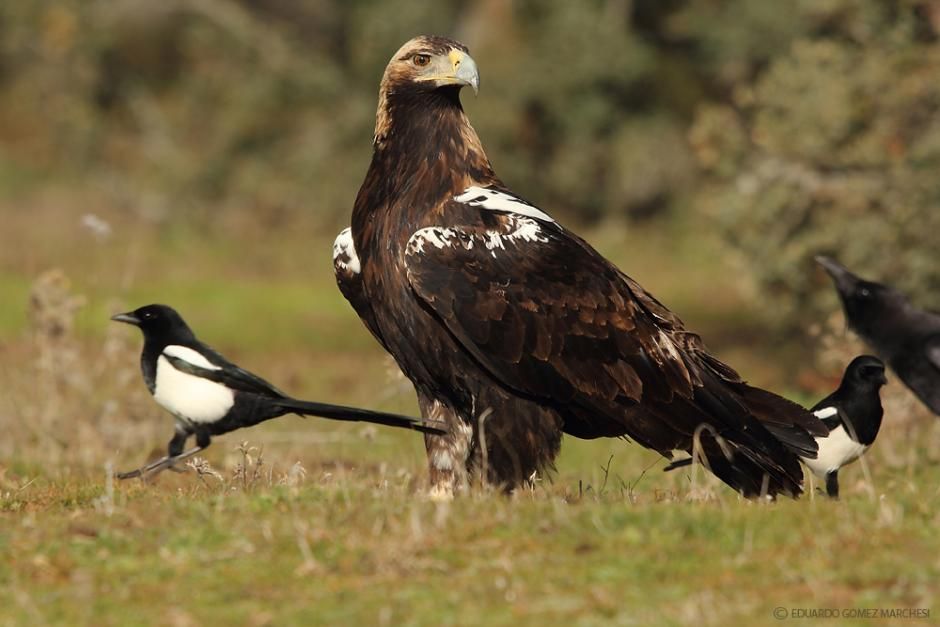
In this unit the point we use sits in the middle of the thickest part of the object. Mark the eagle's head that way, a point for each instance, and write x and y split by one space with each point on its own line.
427 63
425 66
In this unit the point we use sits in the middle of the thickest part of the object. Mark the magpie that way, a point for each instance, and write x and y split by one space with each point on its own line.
906 337
209 395
853 416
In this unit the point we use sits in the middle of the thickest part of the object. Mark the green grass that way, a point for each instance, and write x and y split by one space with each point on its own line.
362 547
351 538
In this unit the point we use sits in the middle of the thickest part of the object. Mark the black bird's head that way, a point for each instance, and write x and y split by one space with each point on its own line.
866 371
159 323
866 303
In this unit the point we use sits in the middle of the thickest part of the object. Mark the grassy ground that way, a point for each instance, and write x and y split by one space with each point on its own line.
315 523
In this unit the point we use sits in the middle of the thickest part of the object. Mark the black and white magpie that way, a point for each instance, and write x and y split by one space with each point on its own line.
853 415
208 395
905 336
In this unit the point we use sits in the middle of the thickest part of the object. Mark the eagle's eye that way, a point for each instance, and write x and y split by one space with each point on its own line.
421 59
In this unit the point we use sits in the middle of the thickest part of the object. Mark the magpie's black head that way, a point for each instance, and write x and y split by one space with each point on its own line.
865 302
158 322
866 371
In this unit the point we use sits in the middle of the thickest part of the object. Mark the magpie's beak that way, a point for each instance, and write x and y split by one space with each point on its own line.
883 380
127 318
845 280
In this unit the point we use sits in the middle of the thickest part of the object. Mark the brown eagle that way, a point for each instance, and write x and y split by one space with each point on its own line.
513 329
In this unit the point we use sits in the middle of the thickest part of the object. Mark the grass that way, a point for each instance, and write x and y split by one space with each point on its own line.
321 523
357 545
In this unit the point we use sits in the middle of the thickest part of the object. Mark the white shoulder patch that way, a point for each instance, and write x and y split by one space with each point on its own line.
521 229
435 236
495 200
190 356
344 252
825 412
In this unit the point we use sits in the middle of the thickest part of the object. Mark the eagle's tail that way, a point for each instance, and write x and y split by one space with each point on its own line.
793 425
751 473
353 414
758 461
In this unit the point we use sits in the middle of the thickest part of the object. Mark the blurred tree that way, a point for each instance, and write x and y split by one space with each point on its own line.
833 147
266 106
815 127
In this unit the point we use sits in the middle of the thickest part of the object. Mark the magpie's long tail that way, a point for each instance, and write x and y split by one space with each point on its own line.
354 414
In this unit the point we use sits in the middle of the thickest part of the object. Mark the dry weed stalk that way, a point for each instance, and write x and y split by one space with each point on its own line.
249 471
203 469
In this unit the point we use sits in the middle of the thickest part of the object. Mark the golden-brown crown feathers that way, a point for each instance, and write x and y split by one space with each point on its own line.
424 63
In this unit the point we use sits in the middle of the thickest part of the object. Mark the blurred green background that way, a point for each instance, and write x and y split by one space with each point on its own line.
200 150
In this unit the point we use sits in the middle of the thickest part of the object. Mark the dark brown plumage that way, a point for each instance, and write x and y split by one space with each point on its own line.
502 318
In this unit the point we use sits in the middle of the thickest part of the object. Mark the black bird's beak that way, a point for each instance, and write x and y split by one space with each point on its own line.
845 280
128 318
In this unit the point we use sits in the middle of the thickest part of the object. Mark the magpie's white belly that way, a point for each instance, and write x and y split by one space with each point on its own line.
835 450
189 397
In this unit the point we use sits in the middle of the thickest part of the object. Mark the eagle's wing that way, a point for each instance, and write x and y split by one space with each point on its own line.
549 317
348 274
932 349
544 316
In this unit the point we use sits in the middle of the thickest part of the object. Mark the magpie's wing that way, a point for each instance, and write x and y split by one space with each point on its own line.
202 361
549 317
829 412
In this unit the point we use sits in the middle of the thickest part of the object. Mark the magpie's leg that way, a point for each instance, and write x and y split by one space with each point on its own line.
174 455
173 449
832 484
202 442
161 464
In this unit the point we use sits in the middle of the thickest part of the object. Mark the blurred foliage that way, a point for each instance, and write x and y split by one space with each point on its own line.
832 147
805 130
266 106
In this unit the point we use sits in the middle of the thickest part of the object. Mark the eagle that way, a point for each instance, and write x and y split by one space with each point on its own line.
513 329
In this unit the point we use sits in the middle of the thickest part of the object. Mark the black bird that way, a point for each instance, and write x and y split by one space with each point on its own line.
853 415
906 337
209 395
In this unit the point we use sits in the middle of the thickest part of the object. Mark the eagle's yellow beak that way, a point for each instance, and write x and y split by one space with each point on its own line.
456 68
465 69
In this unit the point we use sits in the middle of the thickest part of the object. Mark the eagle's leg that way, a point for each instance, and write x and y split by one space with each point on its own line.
447 454
515 446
